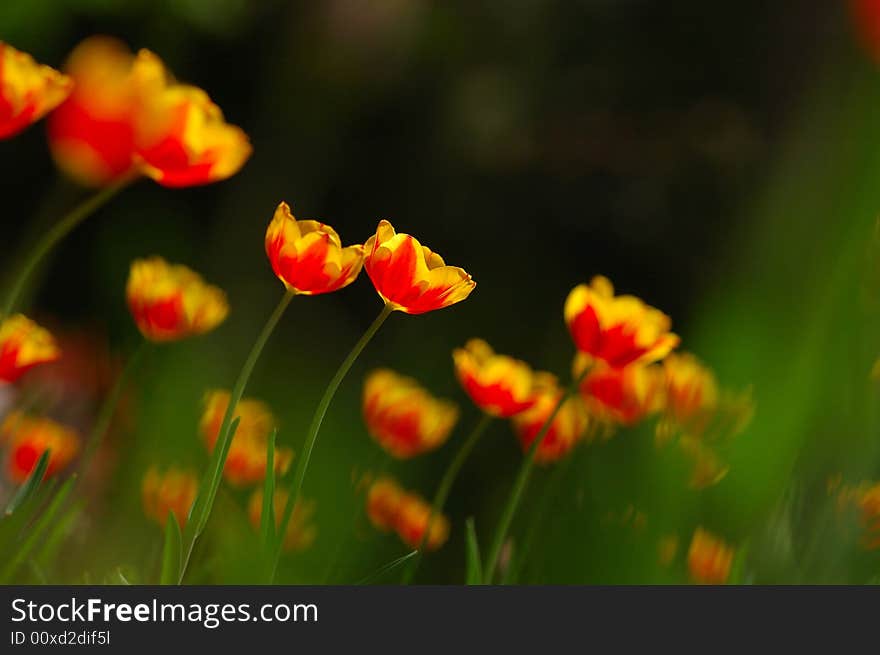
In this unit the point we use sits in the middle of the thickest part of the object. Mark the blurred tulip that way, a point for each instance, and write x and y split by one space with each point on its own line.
91 135
23 345
618 330
27 438
170 302
308 257
691 392
865 500
389 507
499 385
168 492
866 18
404 418
383 503
567 427
620 395
300 532
709 558
28 90
247 458
409 276
181 136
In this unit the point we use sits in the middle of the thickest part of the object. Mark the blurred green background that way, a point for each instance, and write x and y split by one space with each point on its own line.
720 160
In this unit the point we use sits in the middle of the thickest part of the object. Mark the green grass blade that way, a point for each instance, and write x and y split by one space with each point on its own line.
30 486
387 568
474 570
37 530
57 533
267 518
171 552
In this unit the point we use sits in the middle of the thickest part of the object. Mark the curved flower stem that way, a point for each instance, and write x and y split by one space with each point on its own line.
60 230
443 490
522 480
302 464
108 407
201 509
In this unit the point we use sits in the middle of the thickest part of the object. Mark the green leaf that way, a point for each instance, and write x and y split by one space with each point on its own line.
474 570
57 533
37 530
267 518
171 552
30 486
204 502
390 566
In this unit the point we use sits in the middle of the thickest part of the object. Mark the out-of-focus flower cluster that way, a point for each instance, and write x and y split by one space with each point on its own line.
391 508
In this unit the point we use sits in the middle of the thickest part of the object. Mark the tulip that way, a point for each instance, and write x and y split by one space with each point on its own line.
29 437
409 276
621 396
567 427
181 137
308 257
300 532
168 492
23 345
28 90
709 558
404 418
618 330
499 385
170 302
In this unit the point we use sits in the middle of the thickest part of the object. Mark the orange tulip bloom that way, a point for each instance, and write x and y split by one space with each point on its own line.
620 395
865 499
409 276
383 503
308 257
92 134
498 384
300 533
569 425
182 138
171 302
389 507
29 437
709 558
28 90
170 492
691 391
618 330
23 345
247 458
404 418
412 522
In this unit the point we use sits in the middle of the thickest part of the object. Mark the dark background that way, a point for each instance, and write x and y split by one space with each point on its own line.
671 146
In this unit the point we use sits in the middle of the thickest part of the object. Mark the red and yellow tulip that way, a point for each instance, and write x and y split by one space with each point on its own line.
691 392
569 425
247 458
172 491
27 438
411 277
28 90
621 396
499 385
91 135
865 500
300 532
618 330
170 302
389 507
23 345
709 558
403 417
308 257
182 138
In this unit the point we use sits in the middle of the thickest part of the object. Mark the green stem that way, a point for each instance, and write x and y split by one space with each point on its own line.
445 487
108 407
197 522
51 238
302 464
522 480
